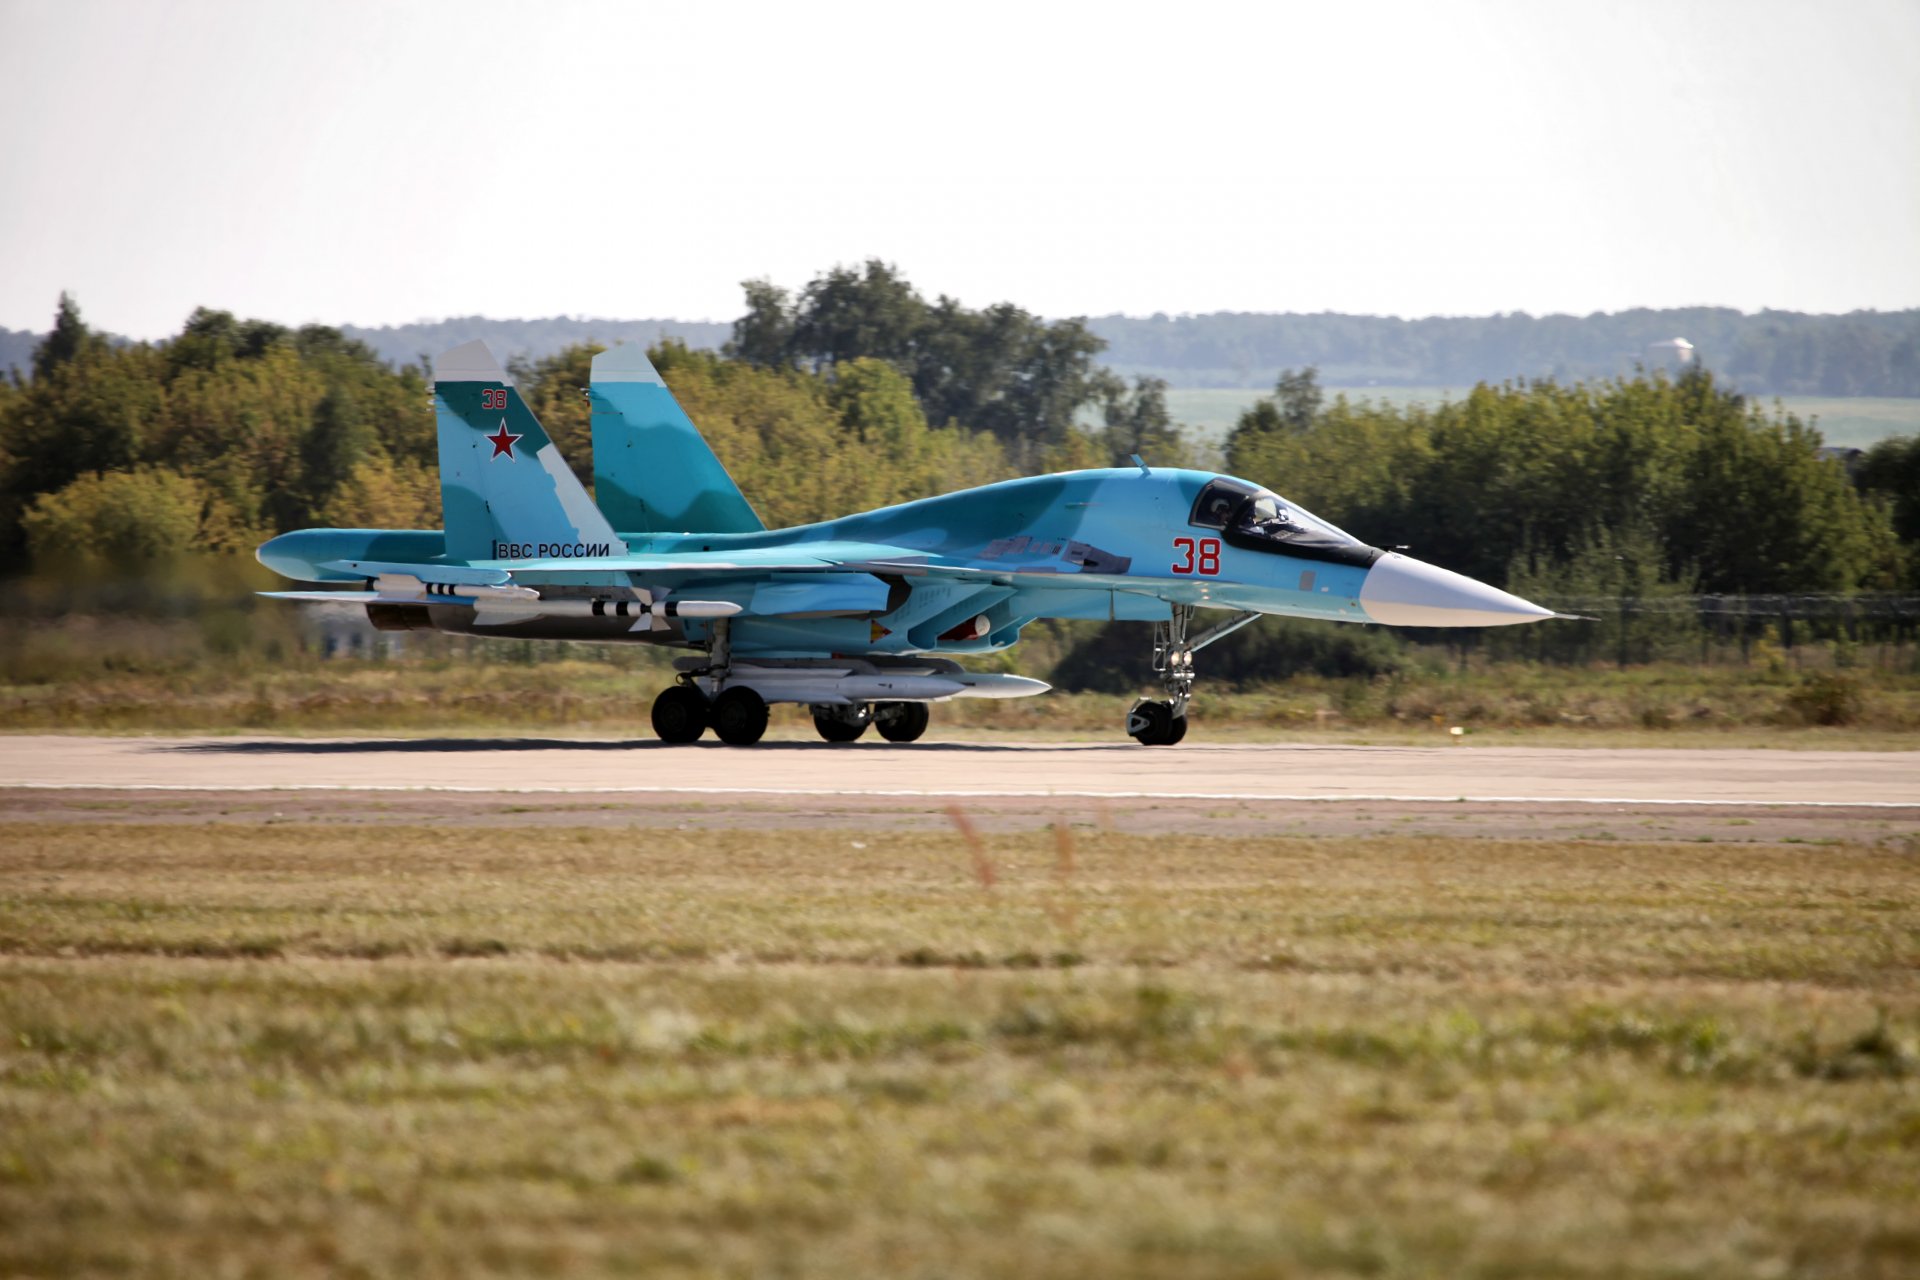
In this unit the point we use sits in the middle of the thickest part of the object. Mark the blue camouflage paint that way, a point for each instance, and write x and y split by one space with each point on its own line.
918 576
652 470
505 493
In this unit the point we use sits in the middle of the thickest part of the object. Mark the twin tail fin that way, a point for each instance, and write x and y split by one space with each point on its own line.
505 491
652 470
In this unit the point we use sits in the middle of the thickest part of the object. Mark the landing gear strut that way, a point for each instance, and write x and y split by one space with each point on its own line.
712 692
1164 723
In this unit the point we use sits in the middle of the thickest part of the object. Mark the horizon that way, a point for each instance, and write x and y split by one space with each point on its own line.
582 318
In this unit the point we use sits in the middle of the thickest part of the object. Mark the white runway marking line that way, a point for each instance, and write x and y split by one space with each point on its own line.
911 794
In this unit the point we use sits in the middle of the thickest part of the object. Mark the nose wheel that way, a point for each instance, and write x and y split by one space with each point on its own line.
1154 724
1162 723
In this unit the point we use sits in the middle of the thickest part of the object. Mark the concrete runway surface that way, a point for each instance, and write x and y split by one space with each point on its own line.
1119 771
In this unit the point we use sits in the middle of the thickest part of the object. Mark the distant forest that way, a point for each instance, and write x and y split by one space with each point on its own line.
857 390
1863 353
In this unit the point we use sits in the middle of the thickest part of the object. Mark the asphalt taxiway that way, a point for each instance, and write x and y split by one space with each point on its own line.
1219 773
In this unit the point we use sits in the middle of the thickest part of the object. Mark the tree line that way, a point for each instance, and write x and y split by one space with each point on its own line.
1622 486
1863 353
856 390
234 430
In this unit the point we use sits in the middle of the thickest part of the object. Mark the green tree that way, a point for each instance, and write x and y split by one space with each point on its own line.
556 390
764 335
869 313
1298 398
1292 410
94 412
1136 423
120 519
1763 512
1621 577
67 341
1000 370
806 447
1891 470
382 494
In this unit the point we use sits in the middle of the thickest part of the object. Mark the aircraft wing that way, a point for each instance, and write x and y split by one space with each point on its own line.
1048 563
795 557
797 579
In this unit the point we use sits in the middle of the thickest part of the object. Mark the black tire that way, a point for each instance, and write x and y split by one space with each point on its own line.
1178 732
739 716
680 714
902 721
835 729
1151 723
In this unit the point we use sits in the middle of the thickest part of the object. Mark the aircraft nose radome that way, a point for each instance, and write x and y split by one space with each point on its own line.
1400 591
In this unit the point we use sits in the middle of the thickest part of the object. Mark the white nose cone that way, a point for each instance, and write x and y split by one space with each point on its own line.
1400 591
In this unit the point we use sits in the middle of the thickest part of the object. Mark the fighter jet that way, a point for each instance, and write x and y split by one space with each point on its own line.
858 618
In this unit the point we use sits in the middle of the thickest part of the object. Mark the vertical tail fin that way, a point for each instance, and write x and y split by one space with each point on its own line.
505 491
652 471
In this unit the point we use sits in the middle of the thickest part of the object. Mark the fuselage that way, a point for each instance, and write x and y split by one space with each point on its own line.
969 569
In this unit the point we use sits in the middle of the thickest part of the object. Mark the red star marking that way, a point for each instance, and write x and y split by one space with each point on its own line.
503 440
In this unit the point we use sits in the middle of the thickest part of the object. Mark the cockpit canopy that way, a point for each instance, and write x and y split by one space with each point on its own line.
1261 520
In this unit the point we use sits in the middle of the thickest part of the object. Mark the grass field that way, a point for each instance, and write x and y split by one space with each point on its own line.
1855 421
363 1046
1878 705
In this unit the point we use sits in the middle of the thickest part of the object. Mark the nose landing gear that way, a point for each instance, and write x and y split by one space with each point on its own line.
1164 723
1155 724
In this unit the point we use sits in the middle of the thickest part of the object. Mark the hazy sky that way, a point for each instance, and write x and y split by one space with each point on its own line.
373 163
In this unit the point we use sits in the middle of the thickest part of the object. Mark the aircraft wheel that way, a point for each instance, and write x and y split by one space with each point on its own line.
835 728
739 716
1151 724
680 714
1178 731
902 721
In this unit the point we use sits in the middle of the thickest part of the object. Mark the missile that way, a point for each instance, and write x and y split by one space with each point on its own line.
499 611
403 588
836 688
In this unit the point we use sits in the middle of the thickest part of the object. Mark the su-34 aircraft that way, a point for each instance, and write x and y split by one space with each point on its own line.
855 617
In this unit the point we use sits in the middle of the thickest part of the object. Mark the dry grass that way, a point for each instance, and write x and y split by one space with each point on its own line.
1673 704
301 1050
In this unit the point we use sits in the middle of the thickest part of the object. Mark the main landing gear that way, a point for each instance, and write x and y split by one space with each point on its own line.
1163 723
703 698
738 717
896 721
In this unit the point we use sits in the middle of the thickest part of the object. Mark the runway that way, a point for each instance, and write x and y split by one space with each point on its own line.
1120 771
